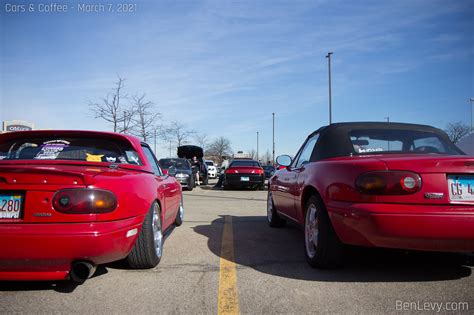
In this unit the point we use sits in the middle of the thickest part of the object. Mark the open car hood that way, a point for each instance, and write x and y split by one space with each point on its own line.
189 151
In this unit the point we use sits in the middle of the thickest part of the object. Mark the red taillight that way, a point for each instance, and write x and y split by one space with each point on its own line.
388 183
77 201
259 171
231 171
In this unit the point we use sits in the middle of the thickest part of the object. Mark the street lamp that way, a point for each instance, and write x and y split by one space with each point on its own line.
471 100
257 146
273 152
330 96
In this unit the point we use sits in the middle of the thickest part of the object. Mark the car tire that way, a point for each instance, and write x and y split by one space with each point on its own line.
205 181
273 219
191 185
323 249
180 214
148 248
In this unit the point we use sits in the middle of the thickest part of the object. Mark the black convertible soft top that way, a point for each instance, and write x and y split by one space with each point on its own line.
334 139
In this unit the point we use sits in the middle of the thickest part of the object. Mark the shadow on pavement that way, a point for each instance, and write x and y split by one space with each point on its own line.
64 286
279 252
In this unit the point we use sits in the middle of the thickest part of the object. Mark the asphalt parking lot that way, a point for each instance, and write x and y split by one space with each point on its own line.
225 258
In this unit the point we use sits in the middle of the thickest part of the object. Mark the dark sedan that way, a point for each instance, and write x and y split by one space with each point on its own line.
269 171
181 169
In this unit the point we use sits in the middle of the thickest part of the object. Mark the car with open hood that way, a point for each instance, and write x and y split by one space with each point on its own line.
373 184
71 200
191 151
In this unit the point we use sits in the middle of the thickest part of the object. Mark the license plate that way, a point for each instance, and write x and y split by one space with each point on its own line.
10 205
461 187
244 179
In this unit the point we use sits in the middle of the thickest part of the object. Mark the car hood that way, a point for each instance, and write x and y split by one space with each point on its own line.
190 151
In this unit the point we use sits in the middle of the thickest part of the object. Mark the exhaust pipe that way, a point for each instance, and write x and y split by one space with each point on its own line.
81 271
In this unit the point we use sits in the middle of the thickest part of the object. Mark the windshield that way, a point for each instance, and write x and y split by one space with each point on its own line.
69 148
245 163
178 163
210 163
403 141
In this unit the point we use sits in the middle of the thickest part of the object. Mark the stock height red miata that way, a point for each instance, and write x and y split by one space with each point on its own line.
71 200
386 185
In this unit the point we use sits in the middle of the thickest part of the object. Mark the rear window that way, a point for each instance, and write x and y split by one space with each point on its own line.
210 163
245 163
69 148
372 141
178 163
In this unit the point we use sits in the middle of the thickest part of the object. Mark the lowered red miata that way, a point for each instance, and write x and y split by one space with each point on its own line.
387 185
70 200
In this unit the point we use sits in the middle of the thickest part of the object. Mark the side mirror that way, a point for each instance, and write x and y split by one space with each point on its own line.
284 160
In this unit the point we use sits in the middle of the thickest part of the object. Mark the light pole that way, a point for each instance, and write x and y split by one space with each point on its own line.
387 118
273 152
257 146
154 138
170 149
471 100
330 96
388 141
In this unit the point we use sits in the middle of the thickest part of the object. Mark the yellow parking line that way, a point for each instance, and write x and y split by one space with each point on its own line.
228 300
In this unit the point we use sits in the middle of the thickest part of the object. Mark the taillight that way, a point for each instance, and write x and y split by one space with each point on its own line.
231 171
78 201
259 171
388 183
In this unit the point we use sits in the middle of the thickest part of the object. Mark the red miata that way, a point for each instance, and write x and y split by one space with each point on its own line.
70 200
375 184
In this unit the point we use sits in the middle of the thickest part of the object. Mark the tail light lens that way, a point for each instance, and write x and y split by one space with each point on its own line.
259 171
80 201
231 171
388 183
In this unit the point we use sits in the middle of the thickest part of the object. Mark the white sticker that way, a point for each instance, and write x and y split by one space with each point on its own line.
51 149
368 150
2 157
111 159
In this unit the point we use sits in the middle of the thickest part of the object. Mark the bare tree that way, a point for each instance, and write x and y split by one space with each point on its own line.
110 109
145 120
202 140
177 133
267 158
252 154
456 131
220 149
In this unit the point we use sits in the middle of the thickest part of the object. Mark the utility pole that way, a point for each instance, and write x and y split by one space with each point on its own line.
330 96
471 100
124 120
154 138
170 149
387 118
273 152
257 146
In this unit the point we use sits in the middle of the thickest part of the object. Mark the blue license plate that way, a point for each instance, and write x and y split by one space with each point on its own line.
461 187
10 205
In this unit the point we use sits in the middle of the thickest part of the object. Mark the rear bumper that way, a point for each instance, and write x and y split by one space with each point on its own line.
236 180
416 227
46 251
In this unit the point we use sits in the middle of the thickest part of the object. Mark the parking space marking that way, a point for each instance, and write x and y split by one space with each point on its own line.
228 300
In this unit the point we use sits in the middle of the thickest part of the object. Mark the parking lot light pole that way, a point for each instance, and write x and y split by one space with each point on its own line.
330 96
257 146
273 139
471 100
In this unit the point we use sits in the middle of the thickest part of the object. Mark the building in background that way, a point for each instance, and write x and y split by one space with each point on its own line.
17 125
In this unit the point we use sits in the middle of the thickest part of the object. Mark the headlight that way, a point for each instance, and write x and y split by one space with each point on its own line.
182 175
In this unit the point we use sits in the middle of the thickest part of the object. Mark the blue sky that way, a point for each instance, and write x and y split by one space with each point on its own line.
222 67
